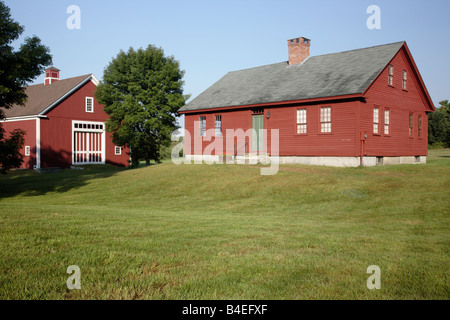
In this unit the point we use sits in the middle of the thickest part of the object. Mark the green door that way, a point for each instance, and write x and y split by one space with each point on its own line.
258 133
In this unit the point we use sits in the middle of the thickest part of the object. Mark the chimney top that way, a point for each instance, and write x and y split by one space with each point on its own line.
51 75
298 49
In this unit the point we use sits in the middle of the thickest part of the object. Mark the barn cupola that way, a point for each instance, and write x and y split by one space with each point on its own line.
298 50
51 75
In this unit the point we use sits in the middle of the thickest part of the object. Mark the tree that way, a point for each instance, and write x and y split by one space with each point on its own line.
141 91
17 70
439 125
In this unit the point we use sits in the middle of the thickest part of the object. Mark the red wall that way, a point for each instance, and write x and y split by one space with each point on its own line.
56 131
340 142
30 139
401 103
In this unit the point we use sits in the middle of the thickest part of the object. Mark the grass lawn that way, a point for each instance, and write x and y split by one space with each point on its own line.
226 232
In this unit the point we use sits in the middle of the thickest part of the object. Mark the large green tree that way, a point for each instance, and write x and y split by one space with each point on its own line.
439 125
17 69
141 91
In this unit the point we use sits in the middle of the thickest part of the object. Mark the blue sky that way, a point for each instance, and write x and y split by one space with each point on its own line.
210 38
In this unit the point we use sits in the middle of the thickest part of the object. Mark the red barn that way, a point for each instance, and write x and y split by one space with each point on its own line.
367 106
64 124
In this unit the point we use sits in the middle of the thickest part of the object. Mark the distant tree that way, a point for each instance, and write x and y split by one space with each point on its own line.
439 125
17 70
142 90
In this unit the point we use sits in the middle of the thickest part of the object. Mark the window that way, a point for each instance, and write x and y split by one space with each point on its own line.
404 80
420 126
218 125
301 121
386 121
117 151
325 119
375 119
391 75
27 150
202 126
410 125
89 104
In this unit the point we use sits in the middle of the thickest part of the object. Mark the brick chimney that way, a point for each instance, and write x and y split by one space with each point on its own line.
51 75
298 50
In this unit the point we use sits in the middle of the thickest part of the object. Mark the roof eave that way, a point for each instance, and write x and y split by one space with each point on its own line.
276 103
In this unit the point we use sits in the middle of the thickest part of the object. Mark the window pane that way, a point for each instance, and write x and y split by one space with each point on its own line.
301 128
202 126
301 121
218 125
375 115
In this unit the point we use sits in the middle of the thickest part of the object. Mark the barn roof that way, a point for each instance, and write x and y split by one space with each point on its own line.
329 75
42 98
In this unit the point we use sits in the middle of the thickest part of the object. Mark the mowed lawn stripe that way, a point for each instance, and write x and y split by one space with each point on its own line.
226 232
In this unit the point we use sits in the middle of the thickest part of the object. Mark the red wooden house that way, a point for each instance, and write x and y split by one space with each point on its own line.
367 106
64 124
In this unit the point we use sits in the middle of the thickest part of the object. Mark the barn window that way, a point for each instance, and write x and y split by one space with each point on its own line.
325 119
89 104
202 126
386 121
117 151
218 125
375 119
420 126
404 80
410 125
301 121
391 75
27 150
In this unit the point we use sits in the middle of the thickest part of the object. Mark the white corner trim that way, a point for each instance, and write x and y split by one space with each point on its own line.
38 143
94 79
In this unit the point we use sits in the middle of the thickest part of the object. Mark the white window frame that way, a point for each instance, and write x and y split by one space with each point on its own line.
218 125
203 126
92 104
302 127
387 116
117 148
27 151
325 119
404 79
376 120
391 75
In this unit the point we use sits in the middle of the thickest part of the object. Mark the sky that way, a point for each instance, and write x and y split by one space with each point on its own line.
210 37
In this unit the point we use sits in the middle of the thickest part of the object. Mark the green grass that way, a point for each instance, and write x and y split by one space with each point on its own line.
226 232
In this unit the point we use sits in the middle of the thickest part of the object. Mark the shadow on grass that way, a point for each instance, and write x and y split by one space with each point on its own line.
31 183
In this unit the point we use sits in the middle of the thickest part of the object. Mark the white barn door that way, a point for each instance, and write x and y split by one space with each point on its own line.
88 141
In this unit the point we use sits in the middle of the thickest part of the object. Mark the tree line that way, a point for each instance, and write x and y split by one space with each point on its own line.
439 126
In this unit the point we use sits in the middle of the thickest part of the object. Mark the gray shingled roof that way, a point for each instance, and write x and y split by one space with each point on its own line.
328 75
